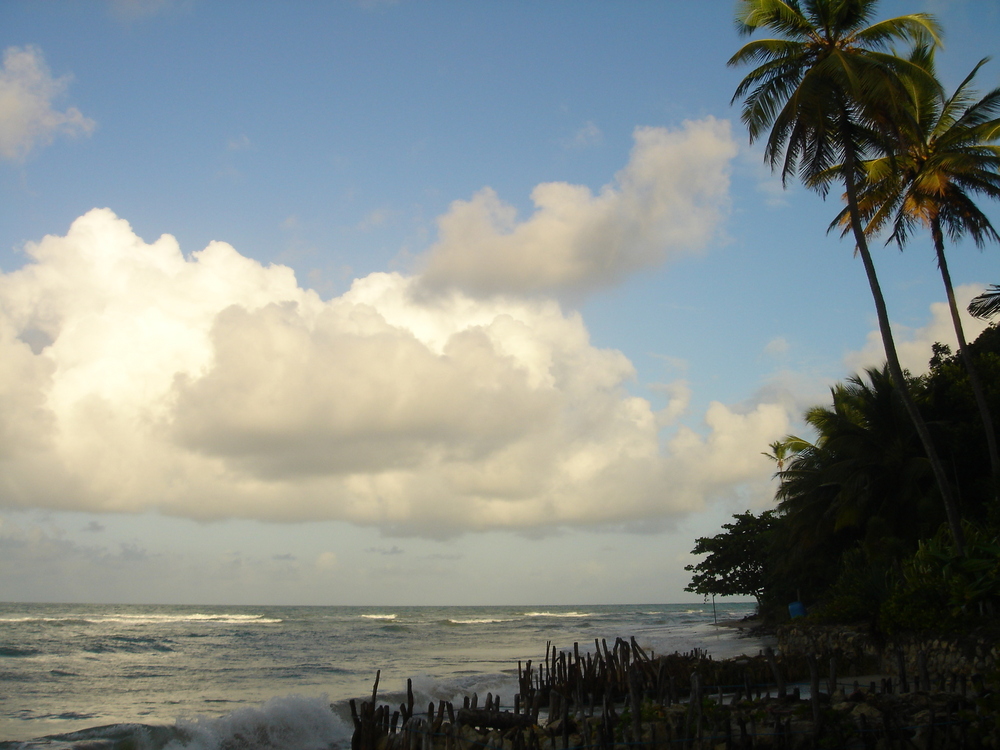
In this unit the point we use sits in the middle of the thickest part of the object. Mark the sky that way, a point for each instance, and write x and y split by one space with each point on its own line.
417 302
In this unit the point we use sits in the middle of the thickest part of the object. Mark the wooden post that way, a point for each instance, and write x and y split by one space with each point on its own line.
778 679
635 702
356 737
904 685
565 724
814 695
548 669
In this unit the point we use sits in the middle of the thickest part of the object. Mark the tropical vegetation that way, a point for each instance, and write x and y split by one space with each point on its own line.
888 510
858 533
832 93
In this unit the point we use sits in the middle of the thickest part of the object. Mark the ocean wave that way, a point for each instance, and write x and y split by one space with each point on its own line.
291 721
379 617
558 614
109 737
394 628
75 620
479 620
225 618
146 619
128 644
18 652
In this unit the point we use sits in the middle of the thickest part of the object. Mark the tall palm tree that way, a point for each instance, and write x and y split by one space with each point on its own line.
831 93
944 154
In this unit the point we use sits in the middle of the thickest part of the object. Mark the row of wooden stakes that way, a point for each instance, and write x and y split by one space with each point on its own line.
620 697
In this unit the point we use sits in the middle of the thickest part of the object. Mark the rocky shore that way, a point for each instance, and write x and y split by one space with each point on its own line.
932 655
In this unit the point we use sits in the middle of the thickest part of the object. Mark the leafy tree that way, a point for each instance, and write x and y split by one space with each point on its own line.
736 560
943 155
831 93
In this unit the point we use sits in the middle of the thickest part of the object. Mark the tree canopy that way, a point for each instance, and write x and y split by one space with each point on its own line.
856 502
736 558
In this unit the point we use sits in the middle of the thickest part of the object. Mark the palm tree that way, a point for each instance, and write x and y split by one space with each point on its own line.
780 452
862 485
831 94
943 155
864 466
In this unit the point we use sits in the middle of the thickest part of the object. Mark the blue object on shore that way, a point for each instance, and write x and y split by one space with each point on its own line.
796 609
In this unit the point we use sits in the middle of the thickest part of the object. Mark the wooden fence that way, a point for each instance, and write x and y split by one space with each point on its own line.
621 697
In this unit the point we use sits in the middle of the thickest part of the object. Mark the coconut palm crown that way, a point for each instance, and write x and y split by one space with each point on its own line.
831 92
829 84
945 154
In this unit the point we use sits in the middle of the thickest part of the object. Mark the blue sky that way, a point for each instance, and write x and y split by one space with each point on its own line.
458 302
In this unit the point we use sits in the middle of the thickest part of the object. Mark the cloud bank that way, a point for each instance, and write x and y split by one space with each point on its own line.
27 116
668 200
135 378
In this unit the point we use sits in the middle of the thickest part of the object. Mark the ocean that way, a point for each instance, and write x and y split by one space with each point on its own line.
196 677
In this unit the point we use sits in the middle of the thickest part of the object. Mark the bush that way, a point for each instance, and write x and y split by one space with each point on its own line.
942 591
857 595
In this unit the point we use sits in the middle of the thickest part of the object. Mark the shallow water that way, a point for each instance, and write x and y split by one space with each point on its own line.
198 677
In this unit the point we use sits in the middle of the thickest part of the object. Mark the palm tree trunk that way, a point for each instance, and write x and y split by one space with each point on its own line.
963 352
892 358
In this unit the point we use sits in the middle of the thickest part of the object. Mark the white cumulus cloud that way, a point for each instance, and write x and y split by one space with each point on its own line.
27 115
133 378
670 198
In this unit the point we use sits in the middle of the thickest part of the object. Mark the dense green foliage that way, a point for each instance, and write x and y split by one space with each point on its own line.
859 533
890 513
736 558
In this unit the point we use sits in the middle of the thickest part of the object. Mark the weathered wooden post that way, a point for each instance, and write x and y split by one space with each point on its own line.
925 678
814 694
778 678
904 685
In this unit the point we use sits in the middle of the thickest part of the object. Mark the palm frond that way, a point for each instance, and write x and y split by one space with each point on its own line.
987 304
918 28
783 16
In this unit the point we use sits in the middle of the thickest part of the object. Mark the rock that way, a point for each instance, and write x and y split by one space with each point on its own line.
867 710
